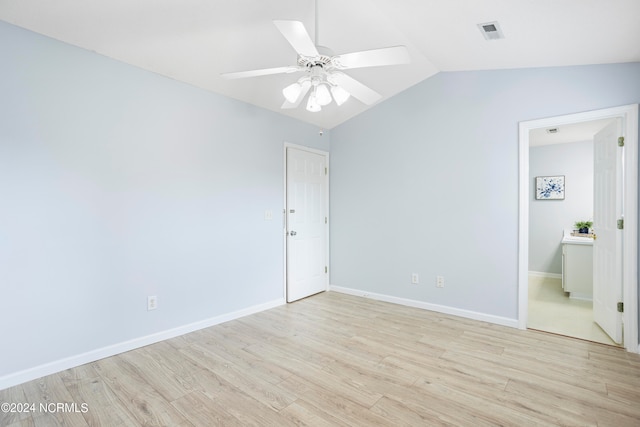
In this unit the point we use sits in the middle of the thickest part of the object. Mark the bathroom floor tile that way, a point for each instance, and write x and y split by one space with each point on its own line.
551 310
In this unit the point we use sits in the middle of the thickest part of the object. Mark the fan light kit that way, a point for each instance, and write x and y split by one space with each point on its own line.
324 80
321 87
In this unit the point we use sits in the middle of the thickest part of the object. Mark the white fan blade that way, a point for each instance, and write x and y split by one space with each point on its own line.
263 72
373 58
306 86
355 88
298 37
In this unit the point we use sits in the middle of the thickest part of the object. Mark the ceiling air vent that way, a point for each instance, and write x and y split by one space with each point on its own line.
491 30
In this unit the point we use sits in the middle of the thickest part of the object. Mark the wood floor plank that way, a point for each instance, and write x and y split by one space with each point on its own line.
134 390
386 348
484 381
624 393
400 414
103 406
442 410
12 416
473 407
291 353
25 422
47 394
301 415
340 360
342 385
586 401
528 367
336 403
164 369
238 404
545 407
377 379
201 410
243 360
259 389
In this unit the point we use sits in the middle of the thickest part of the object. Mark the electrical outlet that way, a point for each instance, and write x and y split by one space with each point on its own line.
268 215
440 281
415 279
152 302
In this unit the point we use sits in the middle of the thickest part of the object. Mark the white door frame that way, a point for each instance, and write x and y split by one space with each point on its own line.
629 116
325 154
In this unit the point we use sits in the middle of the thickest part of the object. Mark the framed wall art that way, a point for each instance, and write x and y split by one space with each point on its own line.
550 187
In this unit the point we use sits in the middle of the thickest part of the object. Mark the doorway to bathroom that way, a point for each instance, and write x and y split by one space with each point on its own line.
563 147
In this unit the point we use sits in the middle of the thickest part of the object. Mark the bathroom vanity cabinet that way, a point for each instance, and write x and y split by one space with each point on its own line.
577 269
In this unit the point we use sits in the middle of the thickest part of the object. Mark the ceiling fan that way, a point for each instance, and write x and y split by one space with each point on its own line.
323 75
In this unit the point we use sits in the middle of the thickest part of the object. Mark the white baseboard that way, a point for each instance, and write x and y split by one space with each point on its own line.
581 297
504 321
93 355
545 275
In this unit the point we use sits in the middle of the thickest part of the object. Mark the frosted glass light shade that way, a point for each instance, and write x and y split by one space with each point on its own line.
292 92
322 95
312 103
339 94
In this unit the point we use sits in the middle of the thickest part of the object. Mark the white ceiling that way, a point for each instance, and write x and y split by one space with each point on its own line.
574 132
195 40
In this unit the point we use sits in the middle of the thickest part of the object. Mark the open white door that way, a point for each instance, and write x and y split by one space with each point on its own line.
306 217
607 246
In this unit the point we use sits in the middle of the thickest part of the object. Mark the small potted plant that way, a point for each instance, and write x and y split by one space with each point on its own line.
583 226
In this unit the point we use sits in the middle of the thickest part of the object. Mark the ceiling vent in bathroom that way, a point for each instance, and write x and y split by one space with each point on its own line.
491 30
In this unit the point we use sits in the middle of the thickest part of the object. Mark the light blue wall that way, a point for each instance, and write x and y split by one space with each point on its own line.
427 182
115 184
548 218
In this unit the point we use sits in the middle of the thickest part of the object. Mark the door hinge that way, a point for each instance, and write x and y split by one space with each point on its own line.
326 269
326 221
620 307
326 171
620 224
621 141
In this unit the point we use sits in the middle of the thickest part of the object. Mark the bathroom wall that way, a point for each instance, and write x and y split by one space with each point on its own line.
547 218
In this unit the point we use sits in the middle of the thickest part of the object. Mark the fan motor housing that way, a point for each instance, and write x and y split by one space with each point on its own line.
325 60
317 61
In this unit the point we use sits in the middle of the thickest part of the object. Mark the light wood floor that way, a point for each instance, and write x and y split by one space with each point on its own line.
338 360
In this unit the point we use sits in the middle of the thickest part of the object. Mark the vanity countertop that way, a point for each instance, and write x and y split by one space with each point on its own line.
567 238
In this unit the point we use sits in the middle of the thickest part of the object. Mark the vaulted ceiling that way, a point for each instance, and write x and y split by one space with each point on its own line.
194 41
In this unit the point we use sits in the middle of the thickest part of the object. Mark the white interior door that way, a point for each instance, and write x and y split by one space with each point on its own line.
306 217
607 247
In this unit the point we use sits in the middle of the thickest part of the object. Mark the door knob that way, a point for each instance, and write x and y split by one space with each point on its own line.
594 236
293 233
